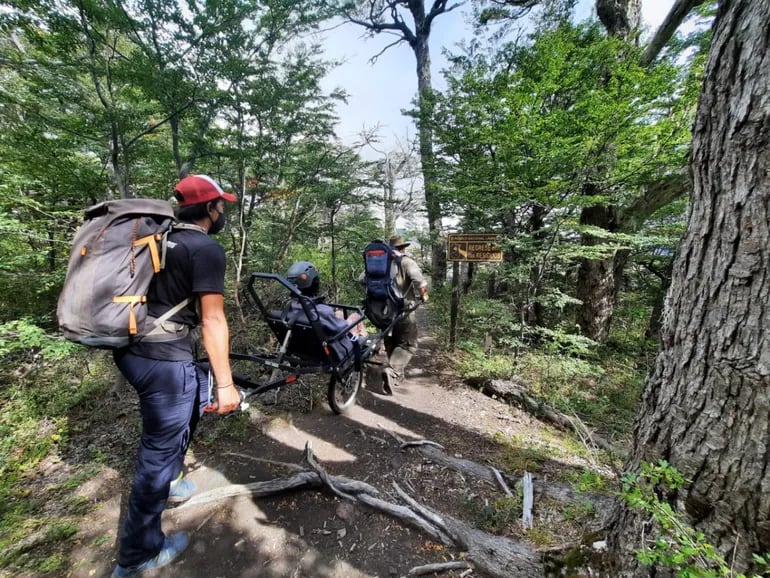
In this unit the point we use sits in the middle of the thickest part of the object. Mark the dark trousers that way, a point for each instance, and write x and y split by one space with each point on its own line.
171 399
400 346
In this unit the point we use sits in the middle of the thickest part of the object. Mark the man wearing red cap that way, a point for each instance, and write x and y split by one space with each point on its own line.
173 391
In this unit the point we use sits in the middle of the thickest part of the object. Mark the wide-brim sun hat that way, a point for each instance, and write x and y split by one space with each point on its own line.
194 189
399 242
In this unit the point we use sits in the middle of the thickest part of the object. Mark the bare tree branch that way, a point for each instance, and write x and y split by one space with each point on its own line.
373 59
656 196
439 7
676 15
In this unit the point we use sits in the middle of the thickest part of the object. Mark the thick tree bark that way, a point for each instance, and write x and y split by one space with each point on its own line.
656 316
596 277
621 18
706 405
599 280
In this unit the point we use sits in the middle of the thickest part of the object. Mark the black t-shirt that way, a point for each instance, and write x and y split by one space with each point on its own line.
195 264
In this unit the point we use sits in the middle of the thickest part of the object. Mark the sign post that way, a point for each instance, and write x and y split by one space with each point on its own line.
473 247
469 248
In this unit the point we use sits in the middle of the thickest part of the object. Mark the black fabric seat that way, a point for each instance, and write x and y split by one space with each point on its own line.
342 351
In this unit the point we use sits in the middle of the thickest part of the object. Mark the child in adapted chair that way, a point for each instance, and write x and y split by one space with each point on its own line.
305 277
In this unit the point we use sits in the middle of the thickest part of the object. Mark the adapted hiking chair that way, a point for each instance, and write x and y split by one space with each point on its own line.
304 346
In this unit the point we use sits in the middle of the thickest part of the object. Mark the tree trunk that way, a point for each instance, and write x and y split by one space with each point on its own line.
596 289
621 18
389 201
706 405
470 272
385 15
425 131
535 311
656 316
596 279
679 11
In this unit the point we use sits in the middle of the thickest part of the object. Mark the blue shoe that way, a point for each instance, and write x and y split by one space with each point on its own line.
180 490
172 547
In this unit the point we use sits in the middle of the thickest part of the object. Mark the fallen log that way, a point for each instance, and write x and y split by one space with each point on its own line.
298 481
512 392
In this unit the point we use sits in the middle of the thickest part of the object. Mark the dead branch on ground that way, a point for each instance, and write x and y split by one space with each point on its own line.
497 556
439 567
552 489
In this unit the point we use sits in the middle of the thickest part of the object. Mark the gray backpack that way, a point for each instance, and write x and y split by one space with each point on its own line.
115 255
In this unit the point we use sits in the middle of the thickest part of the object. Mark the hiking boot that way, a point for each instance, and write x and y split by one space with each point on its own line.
389 380
386 388
172 547
180 490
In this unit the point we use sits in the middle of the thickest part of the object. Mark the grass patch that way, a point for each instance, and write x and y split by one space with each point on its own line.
40 510
519 455
603 392
600 383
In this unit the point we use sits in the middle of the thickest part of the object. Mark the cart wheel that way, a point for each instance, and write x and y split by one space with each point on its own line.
342 394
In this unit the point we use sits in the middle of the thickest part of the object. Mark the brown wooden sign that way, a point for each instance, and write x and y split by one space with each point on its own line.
477 247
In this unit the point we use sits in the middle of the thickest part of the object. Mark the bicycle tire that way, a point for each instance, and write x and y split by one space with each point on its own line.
342 394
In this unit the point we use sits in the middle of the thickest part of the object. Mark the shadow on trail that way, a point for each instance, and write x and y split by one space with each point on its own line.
301 533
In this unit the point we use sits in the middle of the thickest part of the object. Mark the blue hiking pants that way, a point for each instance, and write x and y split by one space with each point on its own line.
171 399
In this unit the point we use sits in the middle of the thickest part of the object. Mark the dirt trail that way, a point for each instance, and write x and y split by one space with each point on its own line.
312 533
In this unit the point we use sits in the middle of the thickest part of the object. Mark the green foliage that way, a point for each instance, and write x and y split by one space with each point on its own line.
675 545
532 133
522 454
530 122
22 337
590 481
599 383
477 363
104 87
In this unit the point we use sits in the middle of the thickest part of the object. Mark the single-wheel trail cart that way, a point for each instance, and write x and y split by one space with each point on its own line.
304 344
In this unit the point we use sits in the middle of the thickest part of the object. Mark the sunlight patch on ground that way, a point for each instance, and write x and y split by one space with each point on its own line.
370 419
293 437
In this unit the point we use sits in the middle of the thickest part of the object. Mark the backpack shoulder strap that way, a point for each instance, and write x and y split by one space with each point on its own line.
173 311
397 257
188 227
160 332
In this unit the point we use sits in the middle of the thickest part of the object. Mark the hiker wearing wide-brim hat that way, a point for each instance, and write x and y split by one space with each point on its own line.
401 343
398 242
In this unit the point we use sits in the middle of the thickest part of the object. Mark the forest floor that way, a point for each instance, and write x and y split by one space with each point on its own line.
312 533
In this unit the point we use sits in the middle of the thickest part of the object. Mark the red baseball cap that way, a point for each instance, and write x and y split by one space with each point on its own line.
196 189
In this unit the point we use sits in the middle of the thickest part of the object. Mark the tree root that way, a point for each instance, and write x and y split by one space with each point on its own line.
494 555
497 556
552 490
439 567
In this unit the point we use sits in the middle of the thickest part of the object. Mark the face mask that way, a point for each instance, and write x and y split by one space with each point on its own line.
218 225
